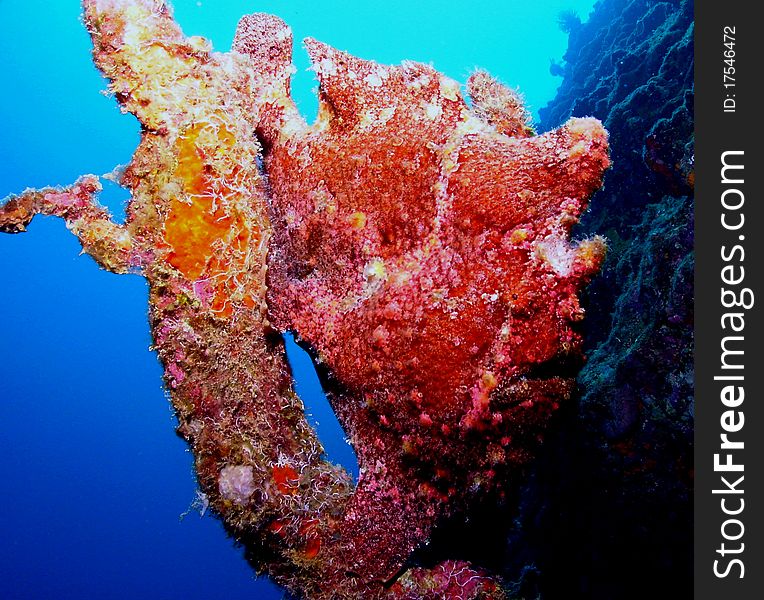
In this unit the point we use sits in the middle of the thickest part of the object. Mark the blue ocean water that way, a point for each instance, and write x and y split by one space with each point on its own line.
92 477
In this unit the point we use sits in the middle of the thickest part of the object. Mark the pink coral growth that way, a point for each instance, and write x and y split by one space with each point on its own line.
236 483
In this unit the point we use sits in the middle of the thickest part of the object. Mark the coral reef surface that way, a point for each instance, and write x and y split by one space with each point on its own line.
615 528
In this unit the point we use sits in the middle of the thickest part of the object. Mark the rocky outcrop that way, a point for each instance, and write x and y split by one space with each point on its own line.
609 512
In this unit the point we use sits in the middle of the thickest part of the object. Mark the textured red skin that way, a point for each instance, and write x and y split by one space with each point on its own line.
418 245
453 273
417 350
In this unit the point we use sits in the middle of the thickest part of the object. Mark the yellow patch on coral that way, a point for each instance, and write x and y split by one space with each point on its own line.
207 233
191 231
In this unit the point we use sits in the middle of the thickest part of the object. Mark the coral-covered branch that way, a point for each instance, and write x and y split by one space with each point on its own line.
151 65
418 246
108 243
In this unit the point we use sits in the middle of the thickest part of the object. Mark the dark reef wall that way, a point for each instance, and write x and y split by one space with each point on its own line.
608 514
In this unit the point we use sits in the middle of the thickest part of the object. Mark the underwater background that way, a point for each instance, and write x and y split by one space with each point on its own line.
94 480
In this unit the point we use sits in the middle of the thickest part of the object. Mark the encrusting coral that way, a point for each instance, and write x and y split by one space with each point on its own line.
417 244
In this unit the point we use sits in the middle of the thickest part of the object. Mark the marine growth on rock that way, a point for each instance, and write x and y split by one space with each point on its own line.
416 243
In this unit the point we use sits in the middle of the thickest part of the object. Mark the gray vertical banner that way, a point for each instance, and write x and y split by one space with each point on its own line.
729 425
